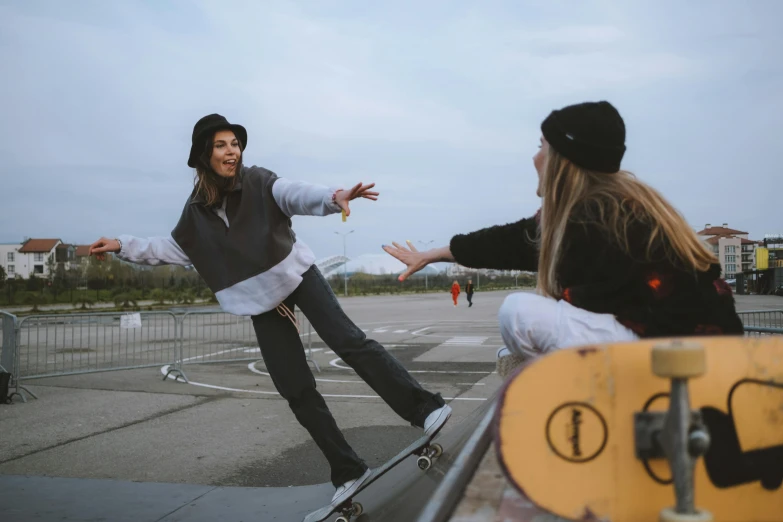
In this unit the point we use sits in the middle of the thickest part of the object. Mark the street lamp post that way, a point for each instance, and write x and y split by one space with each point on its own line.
345 263
425 243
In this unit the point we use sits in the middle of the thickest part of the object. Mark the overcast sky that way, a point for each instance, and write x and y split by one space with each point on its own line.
438 102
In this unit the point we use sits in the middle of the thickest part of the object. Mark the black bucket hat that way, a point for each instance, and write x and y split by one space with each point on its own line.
209 125
590 134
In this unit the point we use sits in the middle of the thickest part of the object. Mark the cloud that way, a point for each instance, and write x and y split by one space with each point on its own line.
439 102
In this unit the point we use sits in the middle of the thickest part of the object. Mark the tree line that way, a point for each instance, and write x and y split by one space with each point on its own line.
110 281
126 285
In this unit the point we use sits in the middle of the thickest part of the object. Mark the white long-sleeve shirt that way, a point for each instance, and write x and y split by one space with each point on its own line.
268 289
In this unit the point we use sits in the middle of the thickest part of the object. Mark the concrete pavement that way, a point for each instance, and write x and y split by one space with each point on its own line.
235 429
230 428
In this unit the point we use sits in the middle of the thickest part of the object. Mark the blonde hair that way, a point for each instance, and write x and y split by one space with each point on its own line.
613 202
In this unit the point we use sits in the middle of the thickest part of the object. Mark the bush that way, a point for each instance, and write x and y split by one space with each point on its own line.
159 296
185 297
118 291
84 299
126 300
208 294
35 299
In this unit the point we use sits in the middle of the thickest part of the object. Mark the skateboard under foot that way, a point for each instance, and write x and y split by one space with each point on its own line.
423 448
349 509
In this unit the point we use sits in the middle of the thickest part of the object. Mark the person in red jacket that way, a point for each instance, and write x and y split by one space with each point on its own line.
455 291
615 260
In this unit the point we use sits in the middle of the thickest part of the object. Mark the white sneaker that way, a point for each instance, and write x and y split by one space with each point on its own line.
503 351
435 420
347 490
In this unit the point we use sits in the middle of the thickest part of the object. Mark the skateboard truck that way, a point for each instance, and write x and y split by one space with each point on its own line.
678 434
426 454
350 510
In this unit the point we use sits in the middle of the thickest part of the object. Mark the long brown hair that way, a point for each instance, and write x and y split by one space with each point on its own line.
619 199
209 185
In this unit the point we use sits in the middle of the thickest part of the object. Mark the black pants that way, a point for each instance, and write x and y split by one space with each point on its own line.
284 357
470 298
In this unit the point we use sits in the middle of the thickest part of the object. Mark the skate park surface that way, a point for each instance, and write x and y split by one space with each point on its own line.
127 445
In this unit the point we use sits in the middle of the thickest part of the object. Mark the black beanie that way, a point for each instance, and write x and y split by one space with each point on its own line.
590 134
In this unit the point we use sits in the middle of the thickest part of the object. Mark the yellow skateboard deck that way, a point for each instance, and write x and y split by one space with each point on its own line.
579 431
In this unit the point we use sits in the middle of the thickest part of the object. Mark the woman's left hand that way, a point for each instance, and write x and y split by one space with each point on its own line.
358 191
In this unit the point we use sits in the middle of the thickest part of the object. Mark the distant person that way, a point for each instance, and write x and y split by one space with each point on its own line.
615 260
235 229
469 292
455 291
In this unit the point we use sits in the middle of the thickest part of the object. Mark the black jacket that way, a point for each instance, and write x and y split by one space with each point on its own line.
653 298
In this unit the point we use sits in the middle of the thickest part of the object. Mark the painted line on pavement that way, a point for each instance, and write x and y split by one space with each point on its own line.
336 364
165 369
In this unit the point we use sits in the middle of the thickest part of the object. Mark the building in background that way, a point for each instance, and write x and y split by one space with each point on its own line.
81 257
766 277
33 257
770 252
735 251
9 254
65 255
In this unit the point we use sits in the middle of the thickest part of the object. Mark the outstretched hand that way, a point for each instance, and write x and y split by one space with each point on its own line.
103 245
357 191
412 258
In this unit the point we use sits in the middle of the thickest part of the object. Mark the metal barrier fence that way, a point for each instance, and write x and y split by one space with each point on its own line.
66 344
9 355
7 342
762 322
69 344
218 337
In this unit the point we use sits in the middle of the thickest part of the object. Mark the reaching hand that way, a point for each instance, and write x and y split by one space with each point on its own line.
358 191
103 245
412 258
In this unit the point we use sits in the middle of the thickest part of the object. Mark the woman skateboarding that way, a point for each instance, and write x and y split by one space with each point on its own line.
615 260
235 229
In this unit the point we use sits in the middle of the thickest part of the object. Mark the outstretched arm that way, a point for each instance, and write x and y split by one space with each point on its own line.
157 250
298 198
416 260
503 247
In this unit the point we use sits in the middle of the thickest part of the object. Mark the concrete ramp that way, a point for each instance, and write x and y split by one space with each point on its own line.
405 491
46 499
401 494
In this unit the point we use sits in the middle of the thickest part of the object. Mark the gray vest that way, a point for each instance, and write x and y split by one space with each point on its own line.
260 235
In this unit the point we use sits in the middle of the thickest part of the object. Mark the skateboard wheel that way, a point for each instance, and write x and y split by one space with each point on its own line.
424 463
698 443
669 515
357 509
437 451
679 360
341 519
